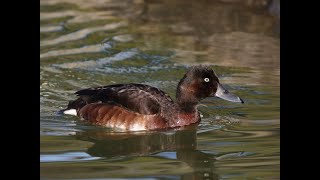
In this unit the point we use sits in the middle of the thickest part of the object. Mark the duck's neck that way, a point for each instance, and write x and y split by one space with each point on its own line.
182 115
184 111
186 102
186 97
186 107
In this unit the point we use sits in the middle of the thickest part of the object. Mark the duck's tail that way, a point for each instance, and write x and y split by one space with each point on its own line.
73 107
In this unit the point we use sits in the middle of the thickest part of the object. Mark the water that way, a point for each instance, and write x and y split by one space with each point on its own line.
93 43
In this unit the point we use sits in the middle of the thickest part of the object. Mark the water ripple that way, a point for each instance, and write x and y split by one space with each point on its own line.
98 63
86 49
83 4
46 29
71 156
82 33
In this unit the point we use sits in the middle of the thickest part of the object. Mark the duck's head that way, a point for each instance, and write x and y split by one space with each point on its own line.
201 82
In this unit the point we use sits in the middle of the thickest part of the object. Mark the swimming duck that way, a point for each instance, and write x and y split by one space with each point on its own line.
136 107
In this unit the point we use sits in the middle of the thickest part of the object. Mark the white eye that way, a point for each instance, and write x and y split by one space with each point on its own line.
206 80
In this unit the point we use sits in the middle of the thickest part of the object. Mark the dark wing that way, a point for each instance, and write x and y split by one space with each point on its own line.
140 98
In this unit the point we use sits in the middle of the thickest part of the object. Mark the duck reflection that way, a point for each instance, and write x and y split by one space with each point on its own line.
182 142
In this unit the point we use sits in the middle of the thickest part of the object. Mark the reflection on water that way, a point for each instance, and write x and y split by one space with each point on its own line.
182 144
115 152
93 43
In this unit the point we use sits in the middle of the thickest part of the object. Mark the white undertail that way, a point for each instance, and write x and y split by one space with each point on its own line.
70 112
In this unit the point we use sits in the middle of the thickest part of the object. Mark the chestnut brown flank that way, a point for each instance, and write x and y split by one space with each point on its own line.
118 117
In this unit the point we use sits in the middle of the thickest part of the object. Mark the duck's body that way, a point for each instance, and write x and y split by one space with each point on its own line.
137 107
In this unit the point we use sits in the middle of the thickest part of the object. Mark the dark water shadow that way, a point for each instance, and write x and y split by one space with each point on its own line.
182 142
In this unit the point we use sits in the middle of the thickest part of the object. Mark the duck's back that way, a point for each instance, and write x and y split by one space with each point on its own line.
139 98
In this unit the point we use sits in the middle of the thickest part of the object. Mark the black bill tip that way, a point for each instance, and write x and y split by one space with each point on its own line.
242 102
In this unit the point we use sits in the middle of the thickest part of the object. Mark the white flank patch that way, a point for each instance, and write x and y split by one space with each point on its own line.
70 112
137 127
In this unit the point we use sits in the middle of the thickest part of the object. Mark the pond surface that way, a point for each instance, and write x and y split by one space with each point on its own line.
92 43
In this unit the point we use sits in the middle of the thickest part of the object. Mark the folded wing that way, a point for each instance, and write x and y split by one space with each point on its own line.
139 98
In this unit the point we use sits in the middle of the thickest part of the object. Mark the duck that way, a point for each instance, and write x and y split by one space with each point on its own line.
140 107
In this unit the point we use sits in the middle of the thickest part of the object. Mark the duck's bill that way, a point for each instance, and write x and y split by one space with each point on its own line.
226 95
